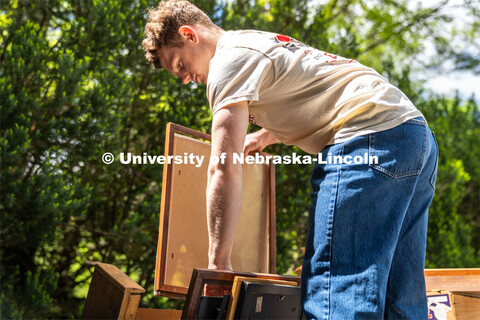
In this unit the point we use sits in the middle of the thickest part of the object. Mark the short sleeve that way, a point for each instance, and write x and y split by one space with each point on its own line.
237 74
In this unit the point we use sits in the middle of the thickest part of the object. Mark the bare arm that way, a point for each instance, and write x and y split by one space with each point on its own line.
224 188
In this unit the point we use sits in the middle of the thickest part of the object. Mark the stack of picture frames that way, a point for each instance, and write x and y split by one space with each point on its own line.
257 292
252 296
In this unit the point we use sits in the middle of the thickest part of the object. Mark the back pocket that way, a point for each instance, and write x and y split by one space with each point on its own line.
401 150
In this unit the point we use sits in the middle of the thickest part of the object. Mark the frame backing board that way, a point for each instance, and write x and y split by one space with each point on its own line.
183 236
268 301
237 283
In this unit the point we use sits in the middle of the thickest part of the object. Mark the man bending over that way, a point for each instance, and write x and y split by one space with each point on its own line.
367 229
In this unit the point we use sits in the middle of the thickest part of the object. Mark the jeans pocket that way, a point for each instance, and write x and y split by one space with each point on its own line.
400 151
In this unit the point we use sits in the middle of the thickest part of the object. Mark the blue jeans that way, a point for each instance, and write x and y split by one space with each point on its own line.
367 232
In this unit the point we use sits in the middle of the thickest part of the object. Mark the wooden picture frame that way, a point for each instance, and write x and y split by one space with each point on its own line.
183 238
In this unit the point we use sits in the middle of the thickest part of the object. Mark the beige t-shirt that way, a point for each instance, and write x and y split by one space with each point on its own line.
304 96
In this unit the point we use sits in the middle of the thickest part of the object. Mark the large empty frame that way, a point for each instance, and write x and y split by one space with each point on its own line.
183 237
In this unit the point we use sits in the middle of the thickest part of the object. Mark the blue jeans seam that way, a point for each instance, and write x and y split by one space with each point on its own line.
398 311
333 202
432 178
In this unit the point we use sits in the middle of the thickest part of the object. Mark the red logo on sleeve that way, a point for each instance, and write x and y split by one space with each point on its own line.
289 43
283 38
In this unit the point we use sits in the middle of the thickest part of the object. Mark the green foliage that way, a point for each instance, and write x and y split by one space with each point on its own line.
74 84
33 300
454 222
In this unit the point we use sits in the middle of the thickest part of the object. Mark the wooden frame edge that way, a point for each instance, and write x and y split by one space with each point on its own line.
452 272
272 251
160 289
164 212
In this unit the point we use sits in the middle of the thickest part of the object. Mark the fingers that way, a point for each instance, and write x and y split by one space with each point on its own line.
251 145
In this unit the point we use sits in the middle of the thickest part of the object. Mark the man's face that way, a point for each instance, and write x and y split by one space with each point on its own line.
189 62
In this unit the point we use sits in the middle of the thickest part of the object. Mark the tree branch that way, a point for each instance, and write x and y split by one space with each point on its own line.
414 21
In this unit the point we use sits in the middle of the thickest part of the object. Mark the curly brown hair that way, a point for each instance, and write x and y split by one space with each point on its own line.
164 22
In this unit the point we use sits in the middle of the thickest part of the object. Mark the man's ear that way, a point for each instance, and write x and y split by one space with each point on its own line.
189 32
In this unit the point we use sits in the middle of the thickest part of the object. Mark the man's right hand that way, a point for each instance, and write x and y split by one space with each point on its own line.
258 140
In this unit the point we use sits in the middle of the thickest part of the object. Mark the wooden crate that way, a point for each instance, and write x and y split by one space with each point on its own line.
112 294
461 286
